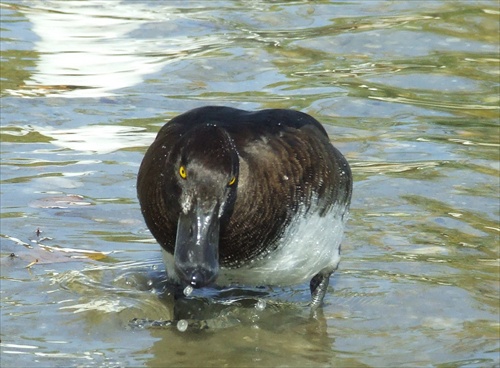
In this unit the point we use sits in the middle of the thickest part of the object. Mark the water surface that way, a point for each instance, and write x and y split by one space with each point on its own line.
407 90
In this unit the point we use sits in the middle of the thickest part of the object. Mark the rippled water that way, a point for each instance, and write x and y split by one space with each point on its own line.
409 91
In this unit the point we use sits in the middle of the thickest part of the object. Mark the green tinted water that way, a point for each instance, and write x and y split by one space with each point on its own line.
408 92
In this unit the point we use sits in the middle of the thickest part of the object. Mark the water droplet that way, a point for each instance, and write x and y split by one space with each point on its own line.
260 305
285 177
188 290
255 318
182 325
150 282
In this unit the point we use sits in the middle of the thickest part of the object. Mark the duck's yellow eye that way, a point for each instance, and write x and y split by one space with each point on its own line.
182 172
232 181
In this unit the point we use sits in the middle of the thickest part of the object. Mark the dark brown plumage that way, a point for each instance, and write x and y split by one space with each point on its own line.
218 177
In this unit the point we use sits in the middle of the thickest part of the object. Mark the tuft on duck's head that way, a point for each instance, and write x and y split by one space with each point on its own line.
253 198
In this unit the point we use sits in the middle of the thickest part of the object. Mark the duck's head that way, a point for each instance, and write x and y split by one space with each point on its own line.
204 169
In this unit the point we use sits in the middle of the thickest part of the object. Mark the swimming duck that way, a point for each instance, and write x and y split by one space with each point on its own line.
249 198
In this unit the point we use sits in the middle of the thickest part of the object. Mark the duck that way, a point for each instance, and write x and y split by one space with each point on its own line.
254 198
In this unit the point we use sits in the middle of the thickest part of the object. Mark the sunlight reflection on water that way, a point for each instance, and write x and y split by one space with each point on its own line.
407 90
86 49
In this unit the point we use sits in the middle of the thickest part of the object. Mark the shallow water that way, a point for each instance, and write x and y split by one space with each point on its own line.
409 93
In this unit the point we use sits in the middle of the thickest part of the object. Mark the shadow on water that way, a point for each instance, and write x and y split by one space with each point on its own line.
262 324
408 91
162 304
